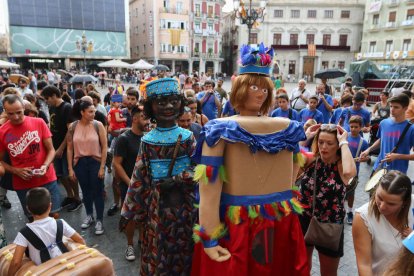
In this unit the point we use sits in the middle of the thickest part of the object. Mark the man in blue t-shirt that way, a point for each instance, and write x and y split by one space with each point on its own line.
228 110
356 109
284 110
390 131
311 112
210 101
325 103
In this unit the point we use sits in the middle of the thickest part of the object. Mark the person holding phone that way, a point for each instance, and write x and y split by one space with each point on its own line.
210 101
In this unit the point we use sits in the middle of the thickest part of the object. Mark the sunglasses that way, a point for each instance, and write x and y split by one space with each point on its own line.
331 127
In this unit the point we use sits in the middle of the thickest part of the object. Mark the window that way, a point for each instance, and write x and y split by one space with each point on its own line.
278 13
388 46
326 40
375 19
325 64
138 49
293 39
328 13
210 26
343 40
311 13
292 67
345 14
406 45
277 39
179 7
166 3
295 13
197 10
197 27
372 46
341 64
163 24
210 12
253 38
410 14
145 48
392 16
310 39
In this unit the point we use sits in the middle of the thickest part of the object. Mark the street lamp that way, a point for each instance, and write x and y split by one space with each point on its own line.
249 16
84 46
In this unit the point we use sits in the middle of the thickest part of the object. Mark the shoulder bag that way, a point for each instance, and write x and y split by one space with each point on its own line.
323 234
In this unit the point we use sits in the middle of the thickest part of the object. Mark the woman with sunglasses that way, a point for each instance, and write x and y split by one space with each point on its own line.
334 167
160 196
380 225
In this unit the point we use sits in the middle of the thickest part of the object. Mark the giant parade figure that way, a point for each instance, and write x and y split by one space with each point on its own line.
248 222
161 192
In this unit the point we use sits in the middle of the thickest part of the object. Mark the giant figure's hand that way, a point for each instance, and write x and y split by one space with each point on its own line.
218 253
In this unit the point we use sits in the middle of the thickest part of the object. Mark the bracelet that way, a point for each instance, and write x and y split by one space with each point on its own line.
200 235
343 143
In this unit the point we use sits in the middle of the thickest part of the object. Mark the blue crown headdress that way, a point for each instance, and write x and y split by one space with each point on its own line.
256 59
162 87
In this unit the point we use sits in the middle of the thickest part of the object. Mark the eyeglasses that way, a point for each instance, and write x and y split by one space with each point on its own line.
329 127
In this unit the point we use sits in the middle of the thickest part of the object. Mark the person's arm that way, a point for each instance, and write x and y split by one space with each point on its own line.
62 146
303 97
327 105
371 148
104 149
119 170
375 109
77 238
16 262
204 119
218 105
210 194
206 96
362 245
347 160
50 154
69 151
118 118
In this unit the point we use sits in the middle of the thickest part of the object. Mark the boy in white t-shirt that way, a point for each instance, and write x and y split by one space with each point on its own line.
45 233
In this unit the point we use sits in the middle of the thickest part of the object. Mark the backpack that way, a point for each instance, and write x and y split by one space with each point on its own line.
39 244
75 123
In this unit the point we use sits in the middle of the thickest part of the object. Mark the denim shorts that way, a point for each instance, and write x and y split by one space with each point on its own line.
54 197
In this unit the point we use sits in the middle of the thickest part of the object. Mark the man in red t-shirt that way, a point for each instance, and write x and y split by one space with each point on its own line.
28 142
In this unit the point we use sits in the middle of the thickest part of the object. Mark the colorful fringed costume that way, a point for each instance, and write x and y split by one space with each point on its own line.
262 232
161 197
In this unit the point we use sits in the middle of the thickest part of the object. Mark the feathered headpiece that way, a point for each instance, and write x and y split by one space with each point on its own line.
256 59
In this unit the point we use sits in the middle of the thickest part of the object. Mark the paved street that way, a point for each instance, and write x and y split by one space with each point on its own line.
113 243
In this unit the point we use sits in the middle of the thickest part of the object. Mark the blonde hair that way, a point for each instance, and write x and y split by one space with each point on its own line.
241 86
309 123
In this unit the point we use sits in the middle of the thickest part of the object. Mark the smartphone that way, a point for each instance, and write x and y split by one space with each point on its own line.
37 172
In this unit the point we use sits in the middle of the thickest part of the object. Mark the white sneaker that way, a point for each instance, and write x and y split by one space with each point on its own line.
130 253
99 230
87 222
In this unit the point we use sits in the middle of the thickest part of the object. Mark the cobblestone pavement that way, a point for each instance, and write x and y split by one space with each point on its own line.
113 243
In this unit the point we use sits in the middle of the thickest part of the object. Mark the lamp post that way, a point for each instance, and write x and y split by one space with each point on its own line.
250 15
84 46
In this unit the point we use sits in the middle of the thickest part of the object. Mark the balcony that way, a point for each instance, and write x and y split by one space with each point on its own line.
173 10
374 28
390 26
409 2
318 47
198 31
407 23
393 3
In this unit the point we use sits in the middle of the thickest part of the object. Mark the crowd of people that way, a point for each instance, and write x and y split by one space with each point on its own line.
55 134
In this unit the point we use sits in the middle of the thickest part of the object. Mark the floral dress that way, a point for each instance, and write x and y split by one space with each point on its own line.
330 193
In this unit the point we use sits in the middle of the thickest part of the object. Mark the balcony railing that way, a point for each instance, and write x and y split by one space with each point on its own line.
393 3
173 10
409 2
390 25
318 47
407 23
374 28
